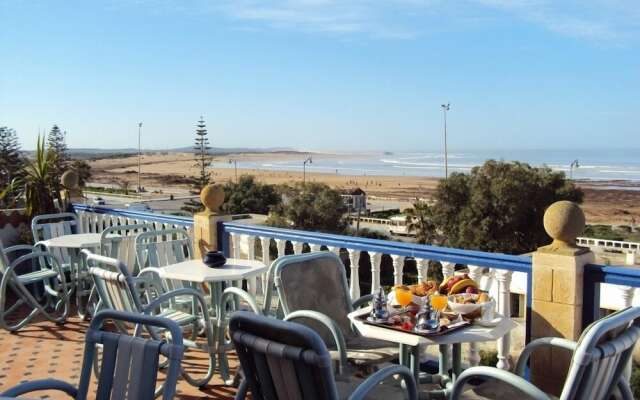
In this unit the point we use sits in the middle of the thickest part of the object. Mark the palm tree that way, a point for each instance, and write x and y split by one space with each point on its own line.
419 220
39 186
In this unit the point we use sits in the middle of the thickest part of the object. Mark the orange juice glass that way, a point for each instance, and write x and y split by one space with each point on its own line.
403 296
438 302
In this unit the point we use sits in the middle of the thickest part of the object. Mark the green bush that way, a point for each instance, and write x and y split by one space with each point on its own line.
634 381
488 358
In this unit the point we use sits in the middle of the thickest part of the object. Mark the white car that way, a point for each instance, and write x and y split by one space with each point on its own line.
99 201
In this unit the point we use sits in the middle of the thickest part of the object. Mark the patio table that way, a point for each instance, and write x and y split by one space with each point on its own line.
75 242
410 344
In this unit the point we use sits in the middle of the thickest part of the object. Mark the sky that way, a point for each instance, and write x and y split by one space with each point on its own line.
346 75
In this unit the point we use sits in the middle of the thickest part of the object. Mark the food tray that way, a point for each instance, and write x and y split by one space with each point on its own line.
441 331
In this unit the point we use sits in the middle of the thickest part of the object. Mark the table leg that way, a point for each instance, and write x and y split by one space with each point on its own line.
443 360
456 361
415 362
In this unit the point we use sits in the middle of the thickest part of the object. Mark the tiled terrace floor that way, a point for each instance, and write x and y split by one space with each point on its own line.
46 350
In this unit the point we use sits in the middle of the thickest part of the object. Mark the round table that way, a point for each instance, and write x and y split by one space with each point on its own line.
410 346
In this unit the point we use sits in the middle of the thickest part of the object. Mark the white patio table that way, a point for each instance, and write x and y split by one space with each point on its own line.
76 242
410 346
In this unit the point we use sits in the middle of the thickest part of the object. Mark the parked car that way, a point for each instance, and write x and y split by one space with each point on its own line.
139 207
99 201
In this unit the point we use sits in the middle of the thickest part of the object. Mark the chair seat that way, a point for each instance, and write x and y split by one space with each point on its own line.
363 351
180 317
37 276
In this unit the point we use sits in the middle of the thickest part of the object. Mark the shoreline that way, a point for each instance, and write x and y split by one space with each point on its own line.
606 202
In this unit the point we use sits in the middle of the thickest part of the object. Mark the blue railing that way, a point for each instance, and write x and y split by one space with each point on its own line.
594 275
135 215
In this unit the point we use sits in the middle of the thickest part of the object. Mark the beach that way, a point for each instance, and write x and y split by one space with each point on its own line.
613 201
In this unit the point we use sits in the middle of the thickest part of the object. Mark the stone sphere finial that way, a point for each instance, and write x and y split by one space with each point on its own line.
212 197
70 179
564 221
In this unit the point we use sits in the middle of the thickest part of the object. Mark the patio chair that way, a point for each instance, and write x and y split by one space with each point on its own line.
44 277
129 367
116 289
284 360
312 287
596 372
119 242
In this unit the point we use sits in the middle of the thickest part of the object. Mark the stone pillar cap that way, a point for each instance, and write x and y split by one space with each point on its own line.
70 179
564 221
212 197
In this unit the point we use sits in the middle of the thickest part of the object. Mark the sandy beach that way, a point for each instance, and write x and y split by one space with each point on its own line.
168 173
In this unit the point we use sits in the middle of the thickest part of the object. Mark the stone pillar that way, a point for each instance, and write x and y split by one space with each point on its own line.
71 192
558 271
205 223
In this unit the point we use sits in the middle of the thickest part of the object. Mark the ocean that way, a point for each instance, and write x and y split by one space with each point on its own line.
595 165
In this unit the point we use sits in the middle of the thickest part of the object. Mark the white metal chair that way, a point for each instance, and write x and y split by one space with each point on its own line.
116 288
596 371
119 242
44 275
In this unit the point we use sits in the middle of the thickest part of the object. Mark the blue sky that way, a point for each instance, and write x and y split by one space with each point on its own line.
324 74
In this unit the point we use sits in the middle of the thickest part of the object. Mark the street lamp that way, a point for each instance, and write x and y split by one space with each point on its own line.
139 155
445 108
235 167
574 164
304 168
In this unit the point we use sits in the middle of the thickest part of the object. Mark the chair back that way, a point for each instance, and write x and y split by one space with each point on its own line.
281 360
161 248
129 366
604 351
314 281
49 226
119 242
113 283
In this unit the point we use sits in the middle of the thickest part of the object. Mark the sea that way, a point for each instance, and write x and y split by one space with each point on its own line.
593 164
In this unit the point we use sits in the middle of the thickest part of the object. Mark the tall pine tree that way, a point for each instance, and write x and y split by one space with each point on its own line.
57 146
11 166
203 158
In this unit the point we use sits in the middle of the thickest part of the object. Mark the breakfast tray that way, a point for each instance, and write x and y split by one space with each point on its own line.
443 330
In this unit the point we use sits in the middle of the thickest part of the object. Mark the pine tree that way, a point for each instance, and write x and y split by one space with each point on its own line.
10 156
57 146
203 158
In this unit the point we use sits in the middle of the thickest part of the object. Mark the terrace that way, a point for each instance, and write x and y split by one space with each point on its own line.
43 349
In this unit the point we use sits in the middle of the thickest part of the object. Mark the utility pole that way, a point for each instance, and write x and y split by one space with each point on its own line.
574 164
139 156
304 168
235 167
445 108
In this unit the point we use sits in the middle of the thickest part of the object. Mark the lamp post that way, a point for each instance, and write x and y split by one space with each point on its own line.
139 155
574 164
235 167
304 168
445 108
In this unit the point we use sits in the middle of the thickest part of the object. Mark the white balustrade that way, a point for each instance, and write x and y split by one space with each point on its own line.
354 284
297 247
475 273
334 249
251 255
235 245
398 266
376 260
281 245
314 247
448 269
504 307
422 266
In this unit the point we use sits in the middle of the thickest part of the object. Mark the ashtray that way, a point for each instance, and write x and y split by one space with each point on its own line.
214 259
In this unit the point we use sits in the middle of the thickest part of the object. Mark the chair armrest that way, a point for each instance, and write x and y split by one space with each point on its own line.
333 328
42 384
19 247
36 255
243 295
371 382
538 343
508 378
367 298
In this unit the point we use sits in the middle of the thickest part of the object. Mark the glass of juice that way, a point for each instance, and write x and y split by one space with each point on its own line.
403 296
439 303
